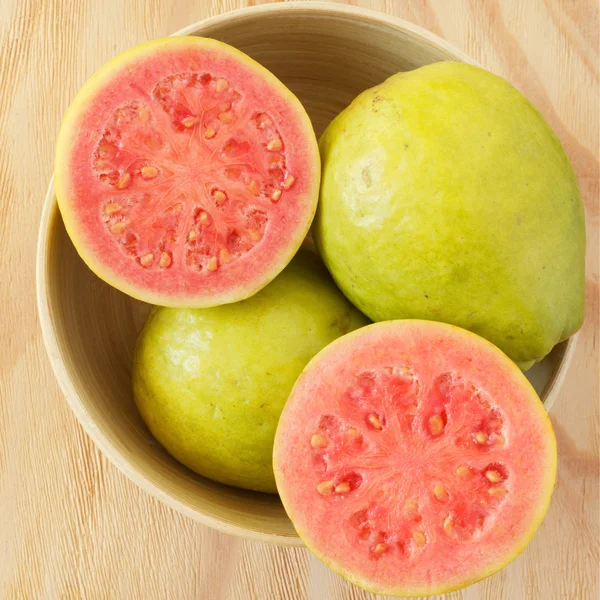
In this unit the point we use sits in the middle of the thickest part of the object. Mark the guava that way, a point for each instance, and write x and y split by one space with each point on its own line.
210 383
186 173
414 458
446 196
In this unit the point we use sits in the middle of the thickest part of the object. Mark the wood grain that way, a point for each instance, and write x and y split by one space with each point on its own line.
71 526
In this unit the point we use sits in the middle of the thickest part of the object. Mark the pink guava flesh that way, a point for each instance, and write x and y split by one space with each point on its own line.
414 458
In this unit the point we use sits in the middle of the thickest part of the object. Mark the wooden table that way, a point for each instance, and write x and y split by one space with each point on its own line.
71 526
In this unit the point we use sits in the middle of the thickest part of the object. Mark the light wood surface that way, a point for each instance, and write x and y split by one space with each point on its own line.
71 526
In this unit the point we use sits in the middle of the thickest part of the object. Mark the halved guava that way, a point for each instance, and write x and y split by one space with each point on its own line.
186 173
414 458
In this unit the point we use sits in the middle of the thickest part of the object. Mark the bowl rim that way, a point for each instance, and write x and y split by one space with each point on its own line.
50 211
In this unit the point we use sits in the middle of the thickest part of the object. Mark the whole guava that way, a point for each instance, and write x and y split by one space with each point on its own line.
446 196
211 383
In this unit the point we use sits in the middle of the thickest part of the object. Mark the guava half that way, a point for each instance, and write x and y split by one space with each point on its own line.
414 458
186 173
446 196
210 383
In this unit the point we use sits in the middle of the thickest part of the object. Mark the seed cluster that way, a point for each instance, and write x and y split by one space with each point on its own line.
459 502
191 179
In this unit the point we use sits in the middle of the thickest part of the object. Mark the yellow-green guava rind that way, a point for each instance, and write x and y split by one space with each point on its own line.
446 196
210 383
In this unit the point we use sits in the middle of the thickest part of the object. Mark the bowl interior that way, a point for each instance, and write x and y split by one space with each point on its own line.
326 55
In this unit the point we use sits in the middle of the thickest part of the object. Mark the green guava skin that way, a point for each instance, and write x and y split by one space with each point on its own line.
211 383
446 196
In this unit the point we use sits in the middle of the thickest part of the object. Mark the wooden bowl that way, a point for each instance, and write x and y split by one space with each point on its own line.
326 54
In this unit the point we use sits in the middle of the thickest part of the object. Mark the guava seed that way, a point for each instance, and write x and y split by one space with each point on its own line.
380 548
493 476
124 181
143 114
448 526
411 506
189 122
497 491
147 259
276 195
212 264
225 117
375 422
209 133
225 256
436 425
463 472
219 196
318 441
192 235
264 122
149 172
325 488
440 492
274 145
118 227
342 488
203 218
165 260
253 187
481 437
111 208
419 538
288 182
221 85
